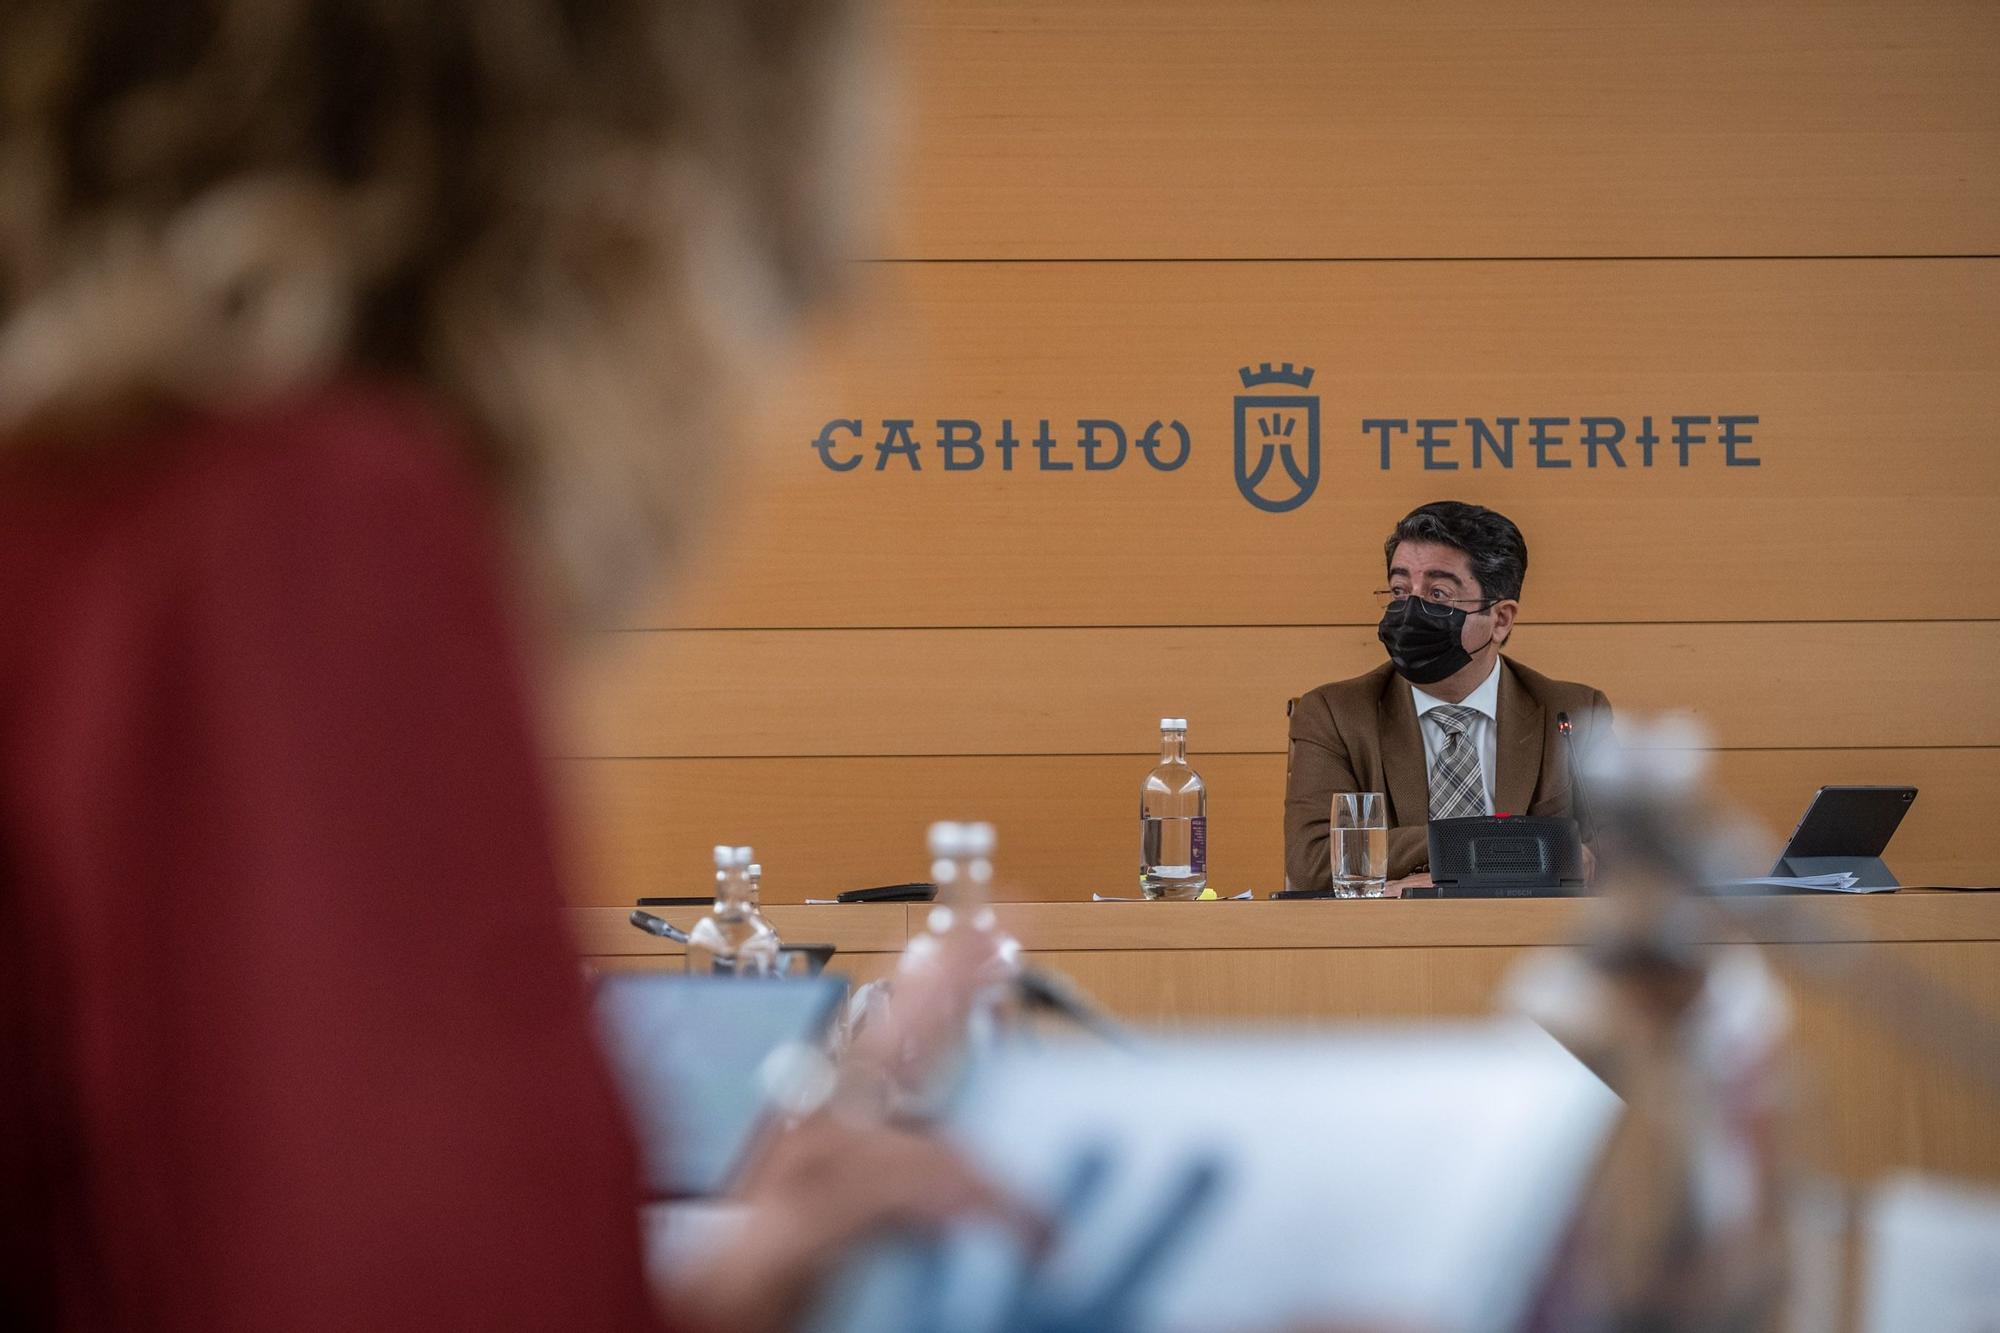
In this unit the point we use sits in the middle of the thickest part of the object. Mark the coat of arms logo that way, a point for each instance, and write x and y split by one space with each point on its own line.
1277 428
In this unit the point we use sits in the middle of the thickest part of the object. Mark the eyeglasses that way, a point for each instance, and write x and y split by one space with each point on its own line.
1437 601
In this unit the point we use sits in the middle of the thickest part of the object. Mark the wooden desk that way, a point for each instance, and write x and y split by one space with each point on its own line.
1871 1098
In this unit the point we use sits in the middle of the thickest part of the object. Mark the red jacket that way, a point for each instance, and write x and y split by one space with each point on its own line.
291 1032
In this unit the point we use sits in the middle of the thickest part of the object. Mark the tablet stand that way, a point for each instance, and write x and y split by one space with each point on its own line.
1869 871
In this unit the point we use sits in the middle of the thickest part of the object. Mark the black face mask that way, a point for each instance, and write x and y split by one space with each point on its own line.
1426 642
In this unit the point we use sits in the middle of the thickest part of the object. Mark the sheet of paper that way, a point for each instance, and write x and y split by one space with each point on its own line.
1410 1177
1840 883
1933 1257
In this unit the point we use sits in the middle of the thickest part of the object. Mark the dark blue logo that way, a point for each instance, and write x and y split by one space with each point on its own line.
1277 455
1276 429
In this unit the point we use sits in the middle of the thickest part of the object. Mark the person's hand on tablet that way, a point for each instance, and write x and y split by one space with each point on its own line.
818 1189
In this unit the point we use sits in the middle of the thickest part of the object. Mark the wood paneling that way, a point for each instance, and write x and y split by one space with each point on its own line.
1187 128
1867 1100
1080 691
1066 828
1884 988
1873 384
1066 823
1918 916
1198 988
864 651
1871 1096
1805 921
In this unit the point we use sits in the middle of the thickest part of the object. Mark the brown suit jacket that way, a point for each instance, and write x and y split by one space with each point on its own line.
1361 735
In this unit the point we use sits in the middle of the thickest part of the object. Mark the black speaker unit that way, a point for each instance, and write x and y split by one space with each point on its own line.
1506 856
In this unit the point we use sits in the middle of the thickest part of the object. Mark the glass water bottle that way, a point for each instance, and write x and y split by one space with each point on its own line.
755 874
1173 821
733 940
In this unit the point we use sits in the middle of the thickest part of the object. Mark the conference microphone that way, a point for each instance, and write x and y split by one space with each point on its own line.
1577 806
654 925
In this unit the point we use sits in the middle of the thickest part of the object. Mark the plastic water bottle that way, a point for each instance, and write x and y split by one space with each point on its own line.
962 868
734 939
907 1033
1173 821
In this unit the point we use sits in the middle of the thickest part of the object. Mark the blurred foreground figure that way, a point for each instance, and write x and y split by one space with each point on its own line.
1686 1230
306 306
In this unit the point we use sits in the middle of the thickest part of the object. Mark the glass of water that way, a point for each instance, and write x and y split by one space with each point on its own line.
1360 845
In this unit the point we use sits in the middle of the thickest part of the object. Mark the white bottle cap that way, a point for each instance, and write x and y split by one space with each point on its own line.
952 843
1173 724
740 856
756 871
722 857
945 838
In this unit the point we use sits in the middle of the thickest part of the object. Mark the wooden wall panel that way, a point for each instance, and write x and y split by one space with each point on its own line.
1103 691
1447 210
1186 128
1866 1099
1877 1077
1196 989
1921 915
1869 1097
1065 822
1873 383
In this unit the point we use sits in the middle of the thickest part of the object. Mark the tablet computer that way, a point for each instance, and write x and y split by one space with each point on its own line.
1847 829
689 1054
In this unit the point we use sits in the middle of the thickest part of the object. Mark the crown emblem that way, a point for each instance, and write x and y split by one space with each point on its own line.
1266 373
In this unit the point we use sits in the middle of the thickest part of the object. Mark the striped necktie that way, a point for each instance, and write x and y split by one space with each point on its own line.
1458 789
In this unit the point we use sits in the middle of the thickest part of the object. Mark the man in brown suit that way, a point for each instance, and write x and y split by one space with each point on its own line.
1447 727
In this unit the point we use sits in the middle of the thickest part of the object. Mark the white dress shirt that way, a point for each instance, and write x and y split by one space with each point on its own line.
1483 733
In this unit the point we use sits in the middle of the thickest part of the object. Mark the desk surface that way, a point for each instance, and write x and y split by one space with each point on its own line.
1879 1095
1905 917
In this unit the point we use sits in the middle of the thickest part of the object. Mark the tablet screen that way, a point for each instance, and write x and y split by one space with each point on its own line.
689 1052
1850 821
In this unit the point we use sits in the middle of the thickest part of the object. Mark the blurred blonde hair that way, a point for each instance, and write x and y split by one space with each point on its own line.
578 221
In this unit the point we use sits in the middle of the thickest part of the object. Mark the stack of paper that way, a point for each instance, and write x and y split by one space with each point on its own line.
1842 882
